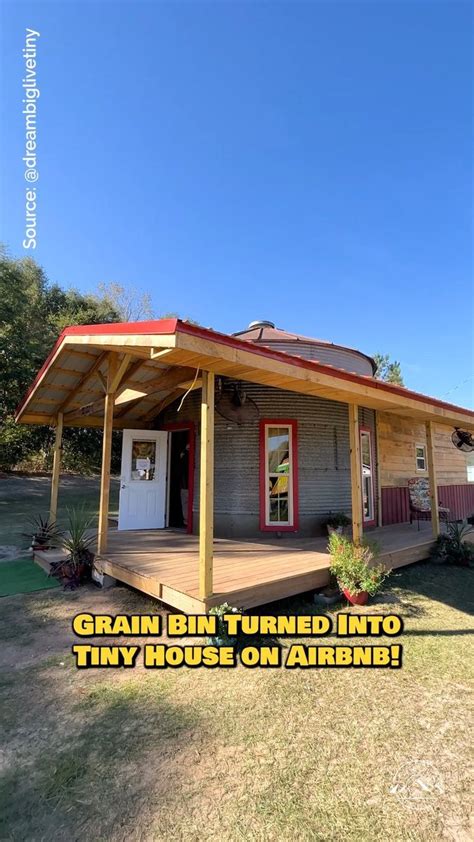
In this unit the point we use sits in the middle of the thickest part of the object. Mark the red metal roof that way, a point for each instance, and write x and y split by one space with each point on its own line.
174 326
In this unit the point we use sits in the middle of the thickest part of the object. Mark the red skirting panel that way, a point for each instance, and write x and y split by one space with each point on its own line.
459 499
395 505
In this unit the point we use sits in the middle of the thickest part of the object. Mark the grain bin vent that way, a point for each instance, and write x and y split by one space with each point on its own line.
260 323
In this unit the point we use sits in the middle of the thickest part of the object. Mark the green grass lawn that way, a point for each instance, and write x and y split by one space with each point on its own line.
241 754
24 497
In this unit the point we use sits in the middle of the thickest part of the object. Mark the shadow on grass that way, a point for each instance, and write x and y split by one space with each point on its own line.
407 592
448 584
92 767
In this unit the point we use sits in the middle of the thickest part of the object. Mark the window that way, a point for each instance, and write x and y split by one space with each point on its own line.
278 476
143 460
367 467
470 467
420 452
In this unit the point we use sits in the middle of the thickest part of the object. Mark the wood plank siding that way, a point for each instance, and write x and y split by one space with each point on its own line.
397 439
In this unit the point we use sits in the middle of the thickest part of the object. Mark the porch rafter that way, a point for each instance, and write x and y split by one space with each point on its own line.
183 344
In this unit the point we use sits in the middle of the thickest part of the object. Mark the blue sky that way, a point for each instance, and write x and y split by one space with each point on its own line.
305 162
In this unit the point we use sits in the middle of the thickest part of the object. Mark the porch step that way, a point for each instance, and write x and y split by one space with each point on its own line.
44 558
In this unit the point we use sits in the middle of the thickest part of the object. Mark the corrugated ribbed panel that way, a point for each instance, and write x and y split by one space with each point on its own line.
338 357
323 451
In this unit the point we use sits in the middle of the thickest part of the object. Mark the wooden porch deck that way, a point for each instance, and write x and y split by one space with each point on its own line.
164 564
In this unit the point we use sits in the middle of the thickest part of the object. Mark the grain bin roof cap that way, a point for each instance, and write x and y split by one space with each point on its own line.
264 332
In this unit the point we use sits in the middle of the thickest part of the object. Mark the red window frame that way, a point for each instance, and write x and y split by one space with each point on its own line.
293 426
368 430
191 427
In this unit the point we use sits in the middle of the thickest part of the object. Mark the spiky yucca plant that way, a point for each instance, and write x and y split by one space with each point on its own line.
77 542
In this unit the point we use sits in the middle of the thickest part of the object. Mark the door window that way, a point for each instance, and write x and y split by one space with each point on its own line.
143 465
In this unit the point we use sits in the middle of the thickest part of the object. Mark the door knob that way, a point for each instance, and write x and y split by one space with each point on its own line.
123 485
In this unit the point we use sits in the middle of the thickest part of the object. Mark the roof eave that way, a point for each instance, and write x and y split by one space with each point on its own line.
176 328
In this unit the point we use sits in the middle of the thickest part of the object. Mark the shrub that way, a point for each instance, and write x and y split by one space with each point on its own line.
77 565
452 547
45 532
222 638
337 519
352 565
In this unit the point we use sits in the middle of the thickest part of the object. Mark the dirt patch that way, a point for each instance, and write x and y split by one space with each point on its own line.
37 626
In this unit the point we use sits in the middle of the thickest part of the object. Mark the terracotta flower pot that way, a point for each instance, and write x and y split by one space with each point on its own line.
360 598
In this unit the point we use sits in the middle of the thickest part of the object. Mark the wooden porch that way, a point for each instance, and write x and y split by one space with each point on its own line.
165 564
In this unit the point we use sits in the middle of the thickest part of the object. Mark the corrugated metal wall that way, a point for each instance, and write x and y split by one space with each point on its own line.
459 499
326 354
323 458
395 505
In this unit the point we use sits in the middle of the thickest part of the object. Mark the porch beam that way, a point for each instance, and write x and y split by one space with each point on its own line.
120 373
432 478
134 368
53 506
165 401
356 473
153 389
206 496
106 455
82 382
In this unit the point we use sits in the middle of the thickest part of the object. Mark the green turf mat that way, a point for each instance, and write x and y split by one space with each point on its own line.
23 576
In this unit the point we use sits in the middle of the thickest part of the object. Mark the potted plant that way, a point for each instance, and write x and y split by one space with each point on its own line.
46 535
76 567
452 547
335 522
352 565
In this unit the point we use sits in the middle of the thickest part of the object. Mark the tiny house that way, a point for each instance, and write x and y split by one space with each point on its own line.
236 449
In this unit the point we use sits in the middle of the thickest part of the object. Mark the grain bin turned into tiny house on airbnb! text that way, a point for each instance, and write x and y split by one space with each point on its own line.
282 460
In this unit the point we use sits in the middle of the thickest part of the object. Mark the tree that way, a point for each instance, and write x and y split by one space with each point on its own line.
131 304
25 335
32 315
387 370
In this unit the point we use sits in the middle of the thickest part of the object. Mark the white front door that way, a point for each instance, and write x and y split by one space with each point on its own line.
143 479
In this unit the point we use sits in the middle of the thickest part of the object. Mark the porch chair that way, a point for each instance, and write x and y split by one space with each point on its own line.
420 501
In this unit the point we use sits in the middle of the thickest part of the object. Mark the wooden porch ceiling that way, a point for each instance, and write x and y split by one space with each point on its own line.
157 365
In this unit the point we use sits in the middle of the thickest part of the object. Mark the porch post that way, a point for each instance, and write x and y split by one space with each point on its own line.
432 478
206 495
356 485
53 506
106 455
